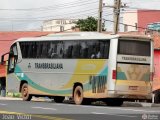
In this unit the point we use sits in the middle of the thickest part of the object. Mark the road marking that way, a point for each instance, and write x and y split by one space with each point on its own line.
113 114
2 104
97 113
104 107
130 110
36 116
44 108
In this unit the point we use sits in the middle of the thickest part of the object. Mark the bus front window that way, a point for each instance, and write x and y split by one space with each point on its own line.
12 58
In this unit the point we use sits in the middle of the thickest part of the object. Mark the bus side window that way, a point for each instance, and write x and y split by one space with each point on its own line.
55 50
34 50
104 48
84 49
60 50
39 50
91 49
76 51
69 51
45 49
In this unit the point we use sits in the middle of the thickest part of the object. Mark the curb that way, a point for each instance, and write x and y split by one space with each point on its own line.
37 99
140 104
40 99
9 98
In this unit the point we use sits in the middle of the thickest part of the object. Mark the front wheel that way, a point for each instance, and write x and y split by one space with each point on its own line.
25 94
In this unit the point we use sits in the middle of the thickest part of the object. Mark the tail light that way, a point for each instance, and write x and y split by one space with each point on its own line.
114 74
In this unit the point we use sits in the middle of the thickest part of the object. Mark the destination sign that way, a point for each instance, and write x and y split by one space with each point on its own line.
133 59
48 65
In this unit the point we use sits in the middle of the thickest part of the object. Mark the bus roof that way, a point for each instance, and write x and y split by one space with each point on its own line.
83 35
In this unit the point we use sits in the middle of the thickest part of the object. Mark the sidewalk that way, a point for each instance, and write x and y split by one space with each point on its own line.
38 99
10 98
140 104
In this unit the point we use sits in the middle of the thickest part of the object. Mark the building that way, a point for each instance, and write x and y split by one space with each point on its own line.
154 26
139 20
7 38
59 25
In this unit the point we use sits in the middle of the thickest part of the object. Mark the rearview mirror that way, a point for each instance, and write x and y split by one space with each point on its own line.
2 58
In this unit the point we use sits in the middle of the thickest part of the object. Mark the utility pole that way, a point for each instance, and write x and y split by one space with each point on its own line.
117 6
99 27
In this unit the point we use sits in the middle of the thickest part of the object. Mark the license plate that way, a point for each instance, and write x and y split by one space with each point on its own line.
133 87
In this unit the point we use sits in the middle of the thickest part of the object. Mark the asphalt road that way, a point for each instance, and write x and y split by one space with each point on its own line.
17 109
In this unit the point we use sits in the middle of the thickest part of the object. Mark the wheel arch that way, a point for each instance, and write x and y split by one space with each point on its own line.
75 85
21 83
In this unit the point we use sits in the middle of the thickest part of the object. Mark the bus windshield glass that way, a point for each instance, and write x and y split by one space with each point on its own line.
133 47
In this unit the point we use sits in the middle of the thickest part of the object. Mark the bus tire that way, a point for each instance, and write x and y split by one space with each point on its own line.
157 96
114 102
24 91
58 99
78 95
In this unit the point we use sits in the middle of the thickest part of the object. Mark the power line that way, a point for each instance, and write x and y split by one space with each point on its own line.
54 9
67 6
76 12
141 10
124 24
64 14
89 14
106 15
128 25
74 4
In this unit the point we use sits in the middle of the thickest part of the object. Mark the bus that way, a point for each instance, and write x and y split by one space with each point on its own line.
84 66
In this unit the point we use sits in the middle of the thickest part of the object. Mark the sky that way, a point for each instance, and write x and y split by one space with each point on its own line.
28 15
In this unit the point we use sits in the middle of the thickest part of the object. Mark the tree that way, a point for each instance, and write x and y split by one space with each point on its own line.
88 24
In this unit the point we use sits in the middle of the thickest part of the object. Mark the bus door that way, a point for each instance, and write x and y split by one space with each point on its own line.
133 67
12 80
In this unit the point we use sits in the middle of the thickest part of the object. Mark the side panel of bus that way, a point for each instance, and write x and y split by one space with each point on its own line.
58 76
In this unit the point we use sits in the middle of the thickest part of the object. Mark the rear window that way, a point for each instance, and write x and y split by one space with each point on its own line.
132 47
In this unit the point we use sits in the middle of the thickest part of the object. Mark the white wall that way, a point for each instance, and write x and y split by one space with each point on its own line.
58 25
130 18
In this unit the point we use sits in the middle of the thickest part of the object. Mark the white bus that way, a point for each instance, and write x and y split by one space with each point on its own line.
84 66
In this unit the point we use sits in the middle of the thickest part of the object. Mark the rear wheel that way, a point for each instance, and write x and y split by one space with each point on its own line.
78 95
58 99
25 94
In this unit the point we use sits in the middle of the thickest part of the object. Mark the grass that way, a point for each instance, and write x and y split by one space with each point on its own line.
17 95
